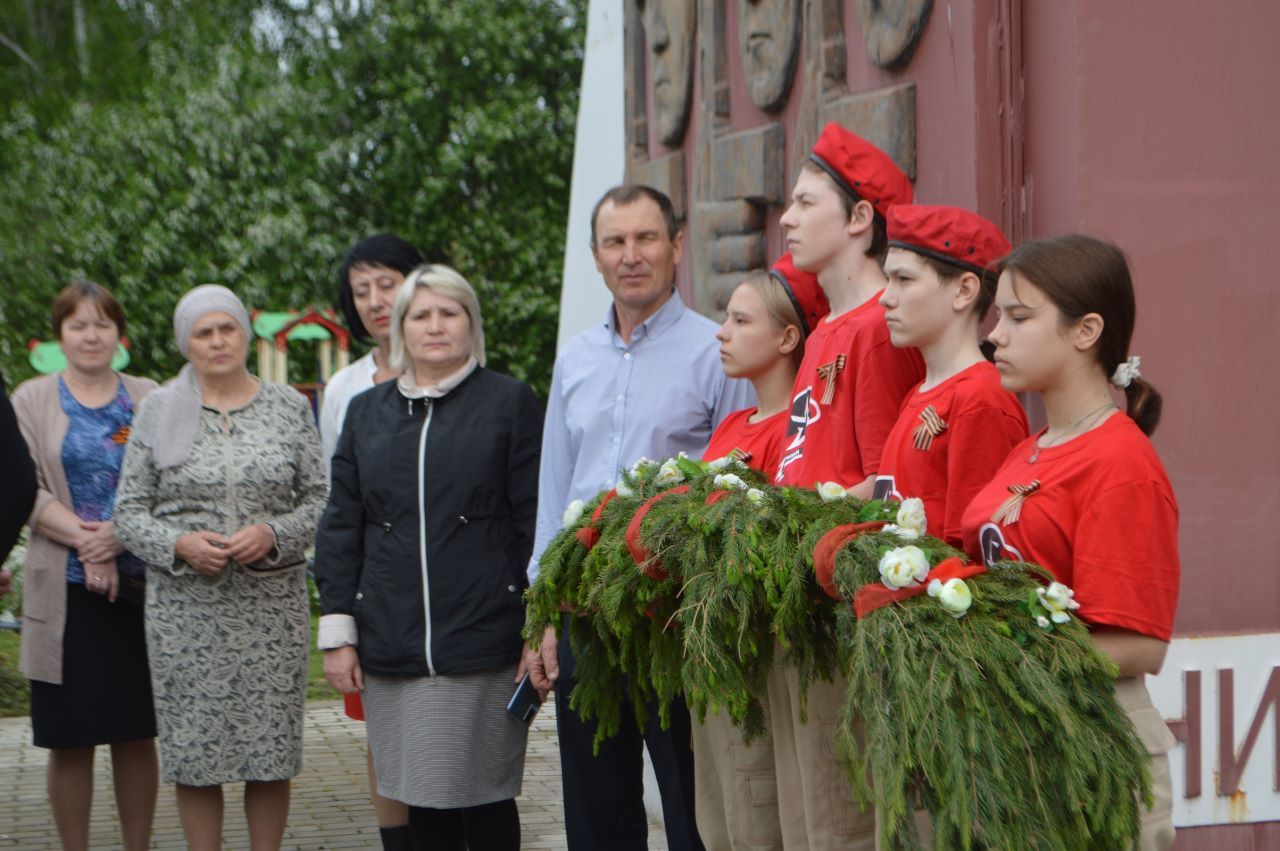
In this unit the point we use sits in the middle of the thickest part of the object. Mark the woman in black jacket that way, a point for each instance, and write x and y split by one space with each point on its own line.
420 563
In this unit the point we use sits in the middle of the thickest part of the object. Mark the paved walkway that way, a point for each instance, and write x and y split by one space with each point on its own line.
330 799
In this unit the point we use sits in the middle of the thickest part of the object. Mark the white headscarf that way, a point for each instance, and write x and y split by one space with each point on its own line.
173 411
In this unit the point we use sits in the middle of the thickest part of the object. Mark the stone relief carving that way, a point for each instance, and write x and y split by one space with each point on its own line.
891 29
734 178
669 27
769 41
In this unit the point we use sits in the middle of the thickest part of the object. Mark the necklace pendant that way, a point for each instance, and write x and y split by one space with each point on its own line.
1034 456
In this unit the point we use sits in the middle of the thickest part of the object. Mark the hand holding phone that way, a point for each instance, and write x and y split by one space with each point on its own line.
524 704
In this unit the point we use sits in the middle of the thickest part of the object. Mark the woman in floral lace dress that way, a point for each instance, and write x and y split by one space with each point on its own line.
220 492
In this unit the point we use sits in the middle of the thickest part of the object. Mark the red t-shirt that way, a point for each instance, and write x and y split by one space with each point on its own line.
1104 521
947 443
846 398
763 440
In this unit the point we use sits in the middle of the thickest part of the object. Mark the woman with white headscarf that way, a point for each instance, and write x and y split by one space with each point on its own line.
219 493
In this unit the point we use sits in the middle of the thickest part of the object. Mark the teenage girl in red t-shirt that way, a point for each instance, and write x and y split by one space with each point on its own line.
762 340
1087 497
958 424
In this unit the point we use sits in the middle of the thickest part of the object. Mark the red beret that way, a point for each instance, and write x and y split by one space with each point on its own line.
804 291
949 234
861 169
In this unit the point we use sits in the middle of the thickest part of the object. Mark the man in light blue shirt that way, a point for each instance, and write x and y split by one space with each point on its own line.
645 382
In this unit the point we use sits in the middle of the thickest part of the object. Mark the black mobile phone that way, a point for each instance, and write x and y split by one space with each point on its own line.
525 702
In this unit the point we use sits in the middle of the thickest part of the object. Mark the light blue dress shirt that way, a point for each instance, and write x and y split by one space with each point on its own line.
613 403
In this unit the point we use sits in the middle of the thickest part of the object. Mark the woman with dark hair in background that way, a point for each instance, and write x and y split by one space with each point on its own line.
220 493
83 644
420 563
1087 497
368 281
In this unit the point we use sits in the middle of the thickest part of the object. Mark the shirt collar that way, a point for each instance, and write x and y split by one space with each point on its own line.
667 315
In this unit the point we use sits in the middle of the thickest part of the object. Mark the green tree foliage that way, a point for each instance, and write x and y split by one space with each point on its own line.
251 143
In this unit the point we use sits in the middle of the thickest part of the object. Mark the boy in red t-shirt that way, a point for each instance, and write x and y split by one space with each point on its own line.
958 424
845 399
852 380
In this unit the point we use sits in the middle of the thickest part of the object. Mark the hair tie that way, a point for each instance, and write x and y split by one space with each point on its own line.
1126 372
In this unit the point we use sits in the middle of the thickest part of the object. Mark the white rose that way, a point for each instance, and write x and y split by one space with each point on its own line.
623 489
830 492
756 496
954 595
911 520
1059 600
728 481
638 468
903 566
573 513
1042 622
668 474
718 464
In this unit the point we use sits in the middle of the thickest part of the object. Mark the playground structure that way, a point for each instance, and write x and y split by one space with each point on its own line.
275 330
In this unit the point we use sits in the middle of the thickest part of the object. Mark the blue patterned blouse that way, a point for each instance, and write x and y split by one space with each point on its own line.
91 458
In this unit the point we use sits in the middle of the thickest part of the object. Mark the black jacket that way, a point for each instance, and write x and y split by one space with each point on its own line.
19 492
463 469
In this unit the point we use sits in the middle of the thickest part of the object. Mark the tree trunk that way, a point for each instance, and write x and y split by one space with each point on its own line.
82 39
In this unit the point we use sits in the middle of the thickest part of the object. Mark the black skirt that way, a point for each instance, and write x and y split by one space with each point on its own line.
105 696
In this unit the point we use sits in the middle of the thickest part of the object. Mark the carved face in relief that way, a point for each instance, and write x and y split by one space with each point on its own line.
769 40
668 35
892 28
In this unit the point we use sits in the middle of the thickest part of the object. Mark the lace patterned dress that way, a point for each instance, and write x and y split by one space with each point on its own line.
228 653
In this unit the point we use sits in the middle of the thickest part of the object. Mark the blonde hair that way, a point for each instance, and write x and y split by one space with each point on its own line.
441 280
778 305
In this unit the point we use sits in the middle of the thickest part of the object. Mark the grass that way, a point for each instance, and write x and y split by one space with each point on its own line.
15 692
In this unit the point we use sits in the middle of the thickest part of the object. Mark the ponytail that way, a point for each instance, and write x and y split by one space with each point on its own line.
1143 404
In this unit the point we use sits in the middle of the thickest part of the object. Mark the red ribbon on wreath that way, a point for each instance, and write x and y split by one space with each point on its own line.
824 552
589 535
877 596
644 559
714 497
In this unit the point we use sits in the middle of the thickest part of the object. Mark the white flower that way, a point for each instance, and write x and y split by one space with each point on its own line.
756 496
830 491
954 595
903 566
726 481
1059 600
668 474
573 513
911 522
718 464
623 489
1042 622
639 468
1126 372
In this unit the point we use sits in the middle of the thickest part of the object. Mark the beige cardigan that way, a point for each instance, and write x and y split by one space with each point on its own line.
44 576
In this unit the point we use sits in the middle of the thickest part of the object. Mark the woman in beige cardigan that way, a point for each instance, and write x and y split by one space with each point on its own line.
83 645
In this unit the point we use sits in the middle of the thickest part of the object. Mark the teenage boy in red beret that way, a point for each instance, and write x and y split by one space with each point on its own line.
852 380
958 425
845 400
